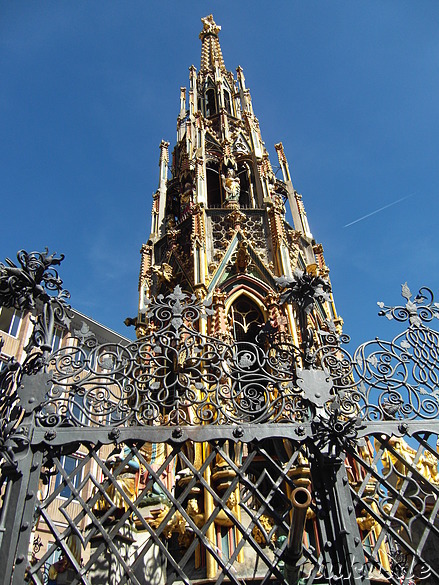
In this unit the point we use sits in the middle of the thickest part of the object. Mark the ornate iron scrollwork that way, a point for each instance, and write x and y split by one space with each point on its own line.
33 285
36 281
422 309
177 375
173 375
399 379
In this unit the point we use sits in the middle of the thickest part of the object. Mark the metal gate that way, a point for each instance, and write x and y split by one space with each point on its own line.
179 458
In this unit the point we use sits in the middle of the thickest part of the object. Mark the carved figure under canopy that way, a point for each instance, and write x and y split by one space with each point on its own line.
187 195
231 185
425 464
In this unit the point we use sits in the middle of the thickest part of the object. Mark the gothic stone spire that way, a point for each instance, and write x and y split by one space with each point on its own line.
211 55
219 227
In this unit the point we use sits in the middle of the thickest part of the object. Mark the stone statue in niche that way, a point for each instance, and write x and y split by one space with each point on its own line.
231 186
186 197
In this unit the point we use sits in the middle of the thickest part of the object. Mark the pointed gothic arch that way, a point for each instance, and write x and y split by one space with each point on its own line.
210 99
247 187
247 316
213 184
227 99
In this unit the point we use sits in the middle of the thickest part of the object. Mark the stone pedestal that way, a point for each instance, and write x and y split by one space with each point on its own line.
108 569
151 568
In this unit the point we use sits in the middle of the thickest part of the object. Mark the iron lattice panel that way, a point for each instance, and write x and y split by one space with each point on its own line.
394 483
228 511
228 506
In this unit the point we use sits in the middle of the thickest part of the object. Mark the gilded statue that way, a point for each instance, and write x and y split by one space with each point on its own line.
175 524
267 524
209 26
133 479
186 197
164 272
222 518
127 480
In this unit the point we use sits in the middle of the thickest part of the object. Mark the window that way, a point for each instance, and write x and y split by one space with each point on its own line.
245 180
211 108
10 321
213 185
77 408
247 319
227 102
69 464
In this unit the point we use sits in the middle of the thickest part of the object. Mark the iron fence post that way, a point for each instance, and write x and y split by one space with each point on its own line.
342 548
17 518
22 473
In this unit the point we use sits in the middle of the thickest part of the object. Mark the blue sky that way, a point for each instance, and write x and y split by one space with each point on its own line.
89 89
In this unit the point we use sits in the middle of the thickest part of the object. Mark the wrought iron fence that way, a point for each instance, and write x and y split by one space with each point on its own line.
182 458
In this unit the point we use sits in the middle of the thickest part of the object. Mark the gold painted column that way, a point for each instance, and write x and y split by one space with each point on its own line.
209 505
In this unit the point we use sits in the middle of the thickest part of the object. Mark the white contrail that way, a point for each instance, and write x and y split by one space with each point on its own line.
378 210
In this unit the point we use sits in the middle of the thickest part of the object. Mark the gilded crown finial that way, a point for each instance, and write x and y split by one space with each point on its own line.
209 27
